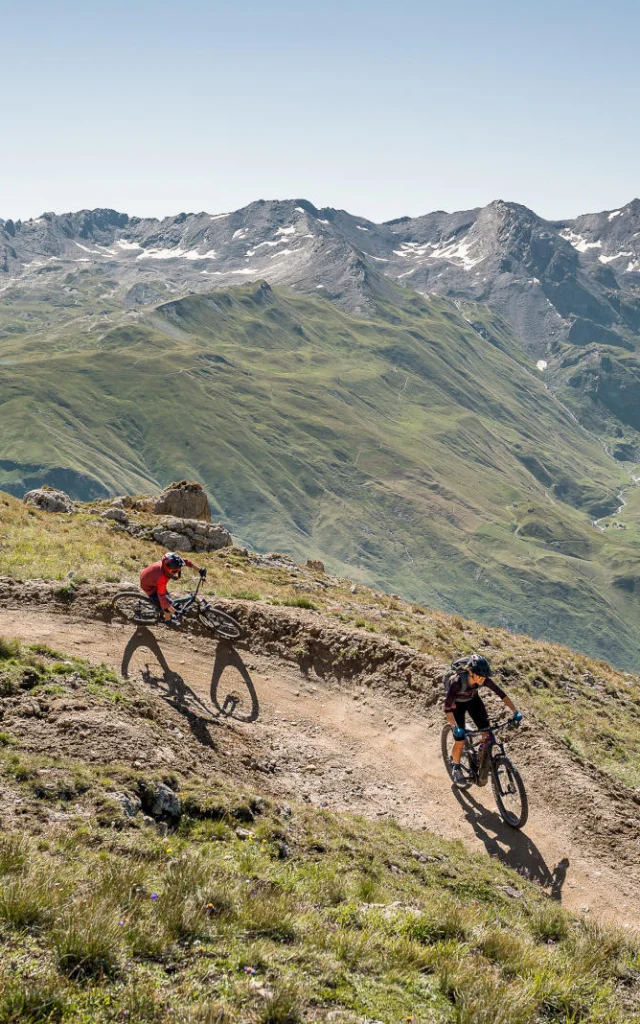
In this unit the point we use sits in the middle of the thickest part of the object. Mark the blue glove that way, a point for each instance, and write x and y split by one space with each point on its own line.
517 718
459 733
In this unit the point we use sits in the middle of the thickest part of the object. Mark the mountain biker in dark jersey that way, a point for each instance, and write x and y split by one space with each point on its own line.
155 577
462 696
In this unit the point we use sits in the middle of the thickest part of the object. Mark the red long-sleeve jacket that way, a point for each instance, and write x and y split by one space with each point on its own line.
154 580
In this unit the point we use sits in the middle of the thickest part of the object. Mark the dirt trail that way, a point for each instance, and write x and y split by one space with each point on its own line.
349 747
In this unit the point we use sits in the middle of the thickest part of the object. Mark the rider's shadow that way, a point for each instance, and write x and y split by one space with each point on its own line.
171 686
512 846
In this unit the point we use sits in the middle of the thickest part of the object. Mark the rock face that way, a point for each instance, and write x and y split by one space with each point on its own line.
191 535
184 499
49 500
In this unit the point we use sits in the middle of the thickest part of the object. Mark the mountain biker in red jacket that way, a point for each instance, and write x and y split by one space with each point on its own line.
155 577
462 696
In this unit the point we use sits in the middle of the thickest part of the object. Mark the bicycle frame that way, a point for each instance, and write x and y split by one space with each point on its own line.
476 748
183 604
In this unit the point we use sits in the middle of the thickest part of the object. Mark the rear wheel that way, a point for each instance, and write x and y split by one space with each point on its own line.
220 623
446 743
131 605
508 789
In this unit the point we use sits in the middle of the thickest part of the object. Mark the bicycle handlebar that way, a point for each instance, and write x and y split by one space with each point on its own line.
492 728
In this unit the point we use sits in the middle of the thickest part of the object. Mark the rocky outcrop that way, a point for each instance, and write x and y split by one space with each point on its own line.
186 535
184 499
49 500
117 514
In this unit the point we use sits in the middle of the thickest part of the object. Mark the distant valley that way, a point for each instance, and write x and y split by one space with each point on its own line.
368 394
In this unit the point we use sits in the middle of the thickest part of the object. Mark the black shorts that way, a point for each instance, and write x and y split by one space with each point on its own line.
477 712
154 598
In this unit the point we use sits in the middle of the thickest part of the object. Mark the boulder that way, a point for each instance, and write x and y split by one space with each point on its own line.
49 500
171 540
193 535
183 499
130 804
164 803
146 504
118 514
315 565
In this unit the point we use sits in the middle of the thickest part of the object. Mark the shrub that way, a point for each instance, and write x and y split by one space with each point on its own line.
283 1006
549 924
9 649
33 1001
14 852
25 901
87 942
445 923
270 916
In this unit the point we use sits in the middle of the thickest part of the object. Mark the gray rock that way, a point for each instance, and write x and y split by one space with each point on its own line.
130 804
146 504
49 500
172 541
118 514
187 500
165 803
190 534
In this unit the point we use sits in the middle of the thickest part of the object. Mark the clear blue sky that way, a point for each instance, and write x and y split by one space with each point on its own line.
383 109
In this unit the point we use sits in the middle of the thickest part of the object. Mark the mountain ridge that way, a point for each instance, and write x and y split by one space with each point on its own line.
376 379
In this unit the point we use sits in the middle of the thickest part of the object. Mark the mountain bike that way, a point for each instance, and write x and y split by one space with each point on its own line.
136 607
480 761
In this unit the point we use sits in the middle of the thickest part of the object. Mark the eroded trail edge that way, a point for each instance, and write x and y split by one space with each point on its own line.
349 721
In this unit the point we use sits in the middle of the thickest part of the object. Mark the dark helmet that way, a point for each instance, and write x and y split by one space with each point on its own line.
479 665
172 564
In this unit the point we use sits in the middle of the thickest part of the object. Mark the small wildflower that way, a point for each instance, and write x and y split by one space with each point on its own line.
249 970
120 923
154 896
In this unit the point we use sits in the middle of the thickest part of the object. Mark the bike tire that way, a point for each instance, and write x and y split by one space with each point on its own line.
511 817
464 760
221 624
133 607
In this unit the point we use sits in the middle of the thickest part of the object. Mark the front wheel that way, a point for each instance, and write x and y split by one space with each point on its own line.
134 607
508 789
219 623
446 745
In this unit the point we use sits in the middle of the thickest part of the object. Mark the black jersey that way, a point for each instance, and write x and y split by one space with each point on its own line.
461 692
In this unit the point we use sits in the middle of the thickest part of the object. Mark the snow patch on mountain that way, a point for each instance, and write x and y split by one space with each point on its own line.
578 242
177 254
616 256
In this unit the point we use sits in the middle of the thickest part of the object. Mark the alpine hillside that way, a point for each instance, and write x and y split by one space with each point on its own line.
374 398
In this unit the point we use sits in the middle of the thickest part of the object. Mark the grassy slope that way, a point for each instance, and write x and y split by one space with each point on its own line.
251 911
588 705
405 449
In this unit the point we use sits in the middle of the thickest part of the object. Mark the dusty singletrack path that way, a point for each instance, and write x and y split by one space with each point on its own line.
349 748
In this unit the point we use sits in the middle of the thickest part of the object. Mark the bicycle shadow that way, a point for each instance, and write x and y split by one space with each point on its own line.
231 704
175 691
512 846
